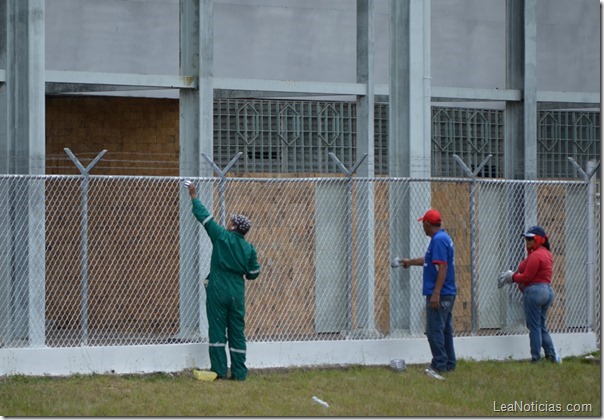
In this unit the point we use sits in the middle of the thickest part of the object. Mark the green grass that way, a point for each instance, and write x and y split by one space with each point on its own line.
472 390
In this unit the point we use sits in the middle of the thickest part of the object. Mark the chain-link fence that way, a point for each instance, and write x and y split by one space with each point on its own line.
108 260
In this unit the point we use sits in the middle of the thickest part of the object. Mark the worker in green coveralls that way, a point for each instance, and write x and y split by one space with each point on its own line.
232 258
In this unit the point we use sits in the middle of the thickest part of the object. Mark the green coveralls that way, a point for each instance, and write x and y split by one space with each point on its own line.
232 258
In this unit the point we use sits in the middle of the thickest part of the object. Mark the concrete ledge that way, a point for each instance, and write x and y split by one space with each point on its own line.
412 350
63 361
178 357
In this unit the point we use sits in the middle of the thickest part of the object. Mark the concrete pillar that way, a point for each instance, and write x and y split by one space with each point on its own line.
520 138
365 190
196 137
22 151
409 146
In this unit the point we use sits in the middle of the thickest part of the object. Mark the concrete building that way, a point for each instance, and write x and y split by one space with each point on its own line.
193 81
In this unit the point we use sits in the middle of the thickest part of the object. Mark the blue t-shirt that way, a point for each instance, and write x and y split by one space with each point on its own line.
440 251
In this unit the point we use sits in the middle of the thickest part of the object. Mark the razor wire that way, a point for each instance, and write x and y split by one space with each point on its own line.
324 244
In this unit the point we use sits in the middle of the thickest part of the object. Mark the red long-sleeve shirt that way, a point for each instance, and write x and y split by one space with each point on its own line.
537 267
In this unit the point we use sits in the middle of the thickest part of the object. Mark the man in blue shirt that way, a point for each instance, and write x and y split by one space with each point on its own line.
440 290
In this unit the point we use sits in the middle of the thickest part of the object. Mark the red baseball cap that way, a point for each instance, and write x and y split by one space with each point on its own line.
432 216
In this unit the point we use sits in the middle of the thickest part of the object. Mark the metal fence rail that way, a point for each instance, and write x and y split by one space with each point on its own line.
325 246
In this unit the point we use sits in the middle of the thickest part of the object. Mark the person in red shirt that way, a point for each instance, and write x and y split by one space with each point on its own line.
533 277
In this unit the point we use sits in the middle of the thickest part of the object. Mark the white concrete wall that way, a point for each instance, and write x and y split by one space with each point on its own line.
178 357
315 40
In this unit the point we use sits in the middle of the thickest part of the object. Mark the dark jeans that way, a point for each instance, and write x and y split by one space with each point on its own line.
439 329
537 299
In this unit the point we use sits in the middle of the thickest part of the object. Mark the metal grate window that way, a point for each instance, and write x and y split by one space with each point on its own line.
284 136
472 134
564 134
280 136
381 139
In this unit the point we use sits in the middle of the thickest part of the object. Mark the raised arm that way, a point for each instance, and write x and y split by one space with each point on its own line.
202 214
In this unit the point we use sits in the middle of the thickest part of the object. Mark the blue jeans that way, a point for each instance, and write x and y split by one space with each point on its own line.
537 300
439 329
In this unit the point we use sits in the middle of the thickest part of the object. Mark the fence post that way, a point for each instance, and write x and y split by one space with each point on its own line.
84 229
472 175
591 256
222 183
349 245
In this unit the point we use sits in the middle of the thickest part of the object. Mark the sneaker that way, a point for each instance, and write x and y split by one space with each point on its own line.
555 358
434 374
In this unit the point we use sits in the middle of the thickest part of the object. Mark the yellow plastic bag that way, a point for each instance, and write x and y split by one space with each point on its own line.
204 375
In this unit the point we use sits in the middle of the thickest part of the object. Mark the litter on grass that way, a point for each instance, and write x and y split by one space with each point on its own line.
204 375
320 401
398 365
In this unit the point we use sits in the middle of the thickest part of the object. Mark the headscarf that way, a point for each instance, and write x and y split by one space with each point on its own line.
242 223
